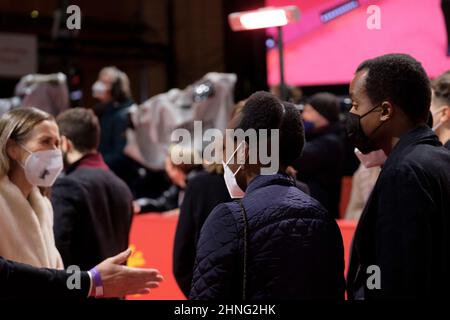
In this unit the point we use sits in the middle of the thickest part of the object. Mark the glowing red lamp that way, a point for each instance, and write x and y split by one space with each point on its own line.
263 18
267 17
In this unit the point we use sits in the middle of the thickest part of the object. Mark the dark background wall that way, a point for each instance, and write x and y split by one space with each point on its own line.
160 44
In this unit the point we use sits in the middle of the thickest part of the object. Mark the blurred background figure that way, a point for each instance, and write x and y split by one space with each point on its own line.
7 104
320 165
209 101
112 90
179 174
294 94
440 108
93 207
203 192
363 181
47 92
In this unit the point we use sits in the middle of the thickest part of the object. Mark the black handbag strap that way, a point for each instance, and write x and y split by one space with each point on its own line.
244 276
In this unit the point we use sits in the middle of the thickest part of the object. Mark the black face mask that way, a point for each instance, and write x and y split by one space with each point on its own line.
356 135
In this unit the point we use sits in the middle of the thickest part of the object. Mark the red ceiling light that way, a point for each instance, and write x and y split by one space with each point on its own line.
267 17
263 18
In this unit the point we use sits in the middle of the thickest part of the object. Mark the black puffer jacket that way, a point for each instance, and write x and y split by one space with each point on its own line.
295 248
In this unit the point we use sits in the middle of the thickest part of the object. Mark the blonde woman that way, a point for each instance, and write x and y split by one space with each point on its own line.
30 161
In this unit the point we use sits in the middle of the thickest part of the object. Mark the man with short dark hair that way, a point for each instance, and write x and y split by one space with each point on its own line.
401 246
92 206
321 164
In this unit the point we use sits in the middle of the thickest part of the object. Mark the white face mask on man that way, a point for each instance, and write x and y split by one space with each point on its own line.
230 178
372 159
43 167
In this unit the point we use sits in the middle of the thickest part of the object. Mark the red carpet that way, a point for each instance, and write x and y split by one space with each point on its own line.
152 237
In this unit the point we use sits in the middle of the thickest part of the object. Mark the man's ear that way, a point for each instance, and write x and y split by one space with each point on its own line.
387 111
66 144
446 114
12 149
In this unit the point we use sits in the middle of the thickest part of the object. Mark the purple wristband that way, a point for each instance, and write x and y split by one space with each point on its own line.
98 283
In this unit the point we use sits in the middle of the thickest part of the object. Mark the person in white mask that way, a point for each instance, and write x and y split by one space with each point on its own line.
440 108
274 242
30 161
363 181
112 91
230 177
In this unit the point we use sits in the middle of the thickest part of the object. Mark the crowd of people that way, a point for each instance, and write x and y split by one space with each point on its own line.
68 194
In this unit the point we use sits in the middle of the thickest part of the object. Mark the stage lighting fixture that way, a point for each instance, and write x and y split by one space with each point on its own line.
267 17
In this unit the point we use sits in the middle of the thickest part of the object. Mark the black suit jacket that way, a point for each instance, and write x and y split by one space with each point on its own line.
203 193
21 281
92 216
321 165
405 226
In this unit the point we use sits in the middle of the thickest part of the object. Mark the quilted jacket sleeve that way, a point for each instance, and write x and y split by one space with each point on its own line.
216 269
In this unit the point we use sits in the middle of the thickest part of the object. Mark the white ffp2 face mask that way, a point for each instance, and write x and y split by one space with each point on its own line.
230 178
372 159
43 167
99 89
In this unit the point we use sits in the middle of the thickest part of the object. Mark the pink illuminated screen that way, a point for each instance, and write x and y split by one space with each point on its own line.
318 53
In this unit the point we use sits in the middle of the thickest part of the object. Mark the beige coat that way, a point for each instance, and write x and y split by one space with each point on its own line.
362 185
26 227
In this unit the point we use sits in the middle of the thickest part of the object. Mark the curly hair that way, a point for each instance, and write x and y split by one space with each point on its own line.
265 111
400 79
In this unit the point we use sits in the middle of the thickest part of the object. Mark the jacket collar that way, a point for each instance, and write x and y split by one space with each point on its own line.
421 134
266 180
447 145
90 160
